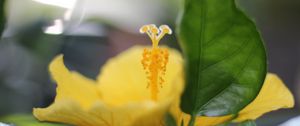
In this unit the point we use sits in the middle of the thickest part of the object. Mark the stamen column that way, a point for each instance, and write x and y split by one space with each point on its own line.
155 59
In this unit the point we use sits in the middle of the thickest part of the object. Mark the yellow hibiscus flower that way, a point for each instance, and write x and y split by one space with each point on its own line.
128 92
119 96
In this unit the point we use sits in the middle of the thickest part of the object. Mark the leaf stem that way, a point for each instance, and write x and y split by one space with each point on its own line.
192 121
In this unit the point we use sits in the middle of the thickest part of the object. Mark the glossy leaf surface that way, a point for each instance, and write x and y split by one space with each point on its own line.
225 59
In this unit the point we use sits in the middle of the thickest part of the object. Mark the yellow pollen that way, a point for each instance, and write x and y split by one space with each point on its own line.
155 59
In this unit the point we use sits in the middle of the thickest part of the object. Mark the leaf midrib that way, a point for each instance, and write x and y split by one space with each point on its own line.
202 31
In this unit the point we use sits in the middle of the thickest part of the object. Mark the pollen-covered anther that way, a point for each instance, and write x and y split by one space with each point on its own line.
155 60
145 60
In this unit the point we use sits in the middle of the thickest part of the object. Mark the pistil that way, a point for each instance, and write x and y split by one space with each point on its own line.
155 59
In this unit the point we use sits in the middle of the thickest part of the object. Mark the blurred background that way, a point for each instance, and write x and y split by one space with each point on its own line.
88 32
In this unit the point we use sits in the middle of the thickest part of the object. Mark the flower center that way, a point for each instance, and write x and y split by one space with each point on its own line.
155 59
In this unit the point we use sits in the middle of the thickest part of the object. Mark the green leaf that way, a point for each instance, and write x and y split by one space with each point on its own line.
247 123
25 120
2 16
225 58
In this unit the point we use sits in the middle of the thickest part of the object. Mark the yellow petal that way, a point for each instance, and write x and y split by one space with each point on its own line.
123 78
72 85
273 95
64 111
70 112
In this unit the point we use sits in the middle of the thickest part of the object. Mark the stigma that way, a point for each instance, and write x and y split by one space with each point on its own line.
155 60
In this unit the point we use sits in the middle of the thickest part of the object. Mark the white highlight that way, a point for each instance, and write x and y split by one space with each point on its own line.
68 14
2 124
292 122
56 28
69 4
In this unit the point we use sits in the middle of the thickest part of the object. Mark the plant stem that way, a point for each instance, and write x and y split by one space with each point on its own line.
192 121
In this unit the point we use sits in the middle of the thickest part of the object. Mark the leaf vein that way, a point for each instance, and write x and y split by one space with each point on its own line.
245 43
243 68
225 32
